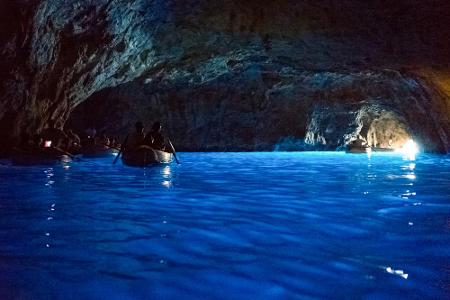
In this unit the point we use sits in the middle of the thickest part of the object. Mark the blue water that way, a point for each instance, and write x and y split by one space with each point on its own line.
228 226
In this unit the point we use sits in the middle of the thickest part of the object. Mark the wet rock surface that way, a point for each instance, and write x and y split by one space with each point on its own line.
227 75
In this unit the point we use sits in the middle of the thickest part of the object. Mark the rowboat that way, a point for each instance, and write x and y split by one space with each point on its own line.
357 149
98 151
44 156
376 149
145 156
357 146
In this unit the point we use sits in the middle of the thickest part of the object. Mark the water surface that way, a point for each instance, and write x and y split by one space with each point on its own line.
228 226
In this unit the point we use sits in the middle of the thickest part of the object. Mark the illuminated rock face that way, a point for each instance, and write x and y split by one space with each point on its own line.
230 75
283 109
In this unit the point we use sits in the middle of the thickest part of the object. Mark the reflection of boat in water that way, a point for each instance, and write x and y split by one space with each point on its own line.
145 156
45 156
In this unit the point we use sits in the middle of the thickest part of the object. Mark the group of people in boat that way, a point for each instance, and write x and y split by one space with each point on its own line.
361 145
56 140
154 138
142 149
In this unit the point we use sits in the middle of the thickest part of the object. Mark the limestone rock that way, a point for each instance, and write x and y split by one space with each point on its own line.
303 110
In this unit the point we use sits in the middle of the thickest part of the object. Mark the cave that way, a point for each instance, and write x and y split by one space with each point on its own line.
224 149
227 76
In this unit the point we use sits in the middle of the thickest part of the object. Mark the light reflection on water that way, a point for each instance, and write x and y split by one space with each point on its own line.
224 226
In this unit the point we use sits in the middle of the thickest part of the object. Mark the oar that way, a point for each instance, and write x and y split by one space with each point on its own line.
68 154
72 156
174 152
60 150
121 150
110 147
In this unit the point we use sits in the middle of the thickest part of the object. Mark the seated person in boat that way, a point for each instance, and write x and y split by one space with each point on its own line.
88 141
102 140
154 138
29 143
74 141
113 143
91 132
36 146
52 136
136 138
25 141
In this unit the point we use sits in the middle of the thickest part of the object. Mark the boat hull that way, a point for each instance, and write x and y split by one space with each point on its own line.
355 149
99 152
40 158
146 156
383 149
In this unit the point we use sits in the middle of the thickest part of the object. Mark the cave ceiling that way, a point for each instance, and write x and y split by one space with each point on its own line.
257 60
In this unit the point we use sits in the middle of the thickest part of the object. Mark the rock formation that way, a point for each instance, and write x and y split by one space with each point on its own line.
231 75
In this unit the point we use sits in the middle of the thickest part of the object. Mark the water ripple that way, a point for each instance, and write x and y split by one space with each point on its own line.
228 225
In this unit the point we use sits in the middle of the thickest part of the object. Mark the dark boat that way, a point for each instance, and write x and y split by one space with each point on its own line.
44 156
376 149
146 156
357 146
98 151
357 149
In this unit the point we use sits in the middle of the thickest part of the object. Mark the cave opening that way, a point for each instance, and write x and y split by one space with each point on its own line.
217 149
388 131
267 76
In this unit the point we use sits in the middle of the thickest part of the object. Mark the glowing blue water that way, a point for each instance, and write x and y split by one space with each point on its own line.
228 226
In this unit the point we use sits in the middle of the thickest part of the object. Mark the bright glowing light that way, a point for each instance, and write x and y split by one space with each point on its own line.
410 176
166 183
409 150
47 144
166 171
397 272
369 152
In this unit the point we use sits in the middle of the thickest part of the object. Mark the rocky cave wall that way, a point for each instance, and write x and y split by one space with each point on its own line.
263 108
230 75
